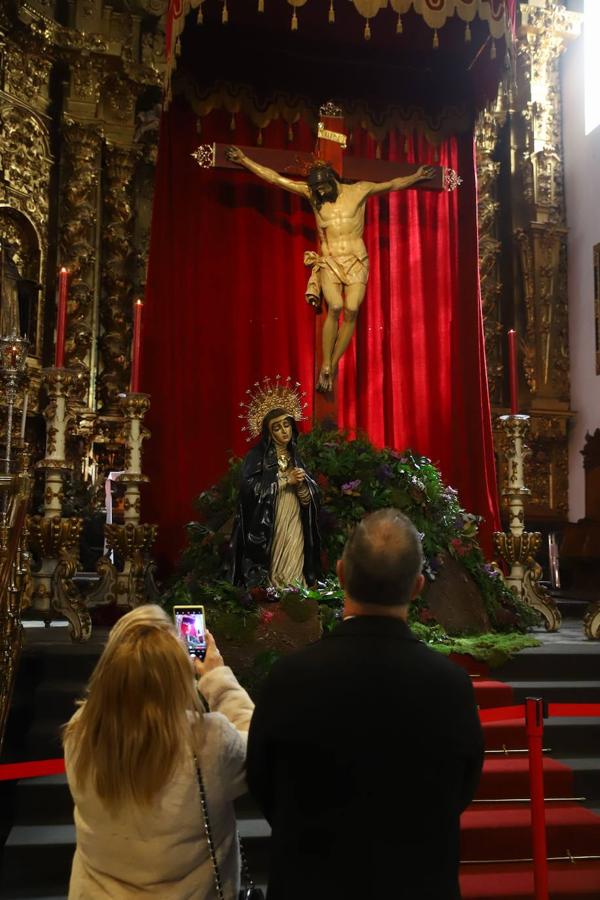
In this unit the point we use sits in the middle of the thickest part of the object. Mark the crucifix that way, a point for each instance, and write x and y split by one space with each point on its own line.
339 271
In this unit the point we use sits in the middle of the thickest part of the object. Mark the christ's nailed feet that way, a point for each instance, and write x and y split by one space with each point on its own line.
325 382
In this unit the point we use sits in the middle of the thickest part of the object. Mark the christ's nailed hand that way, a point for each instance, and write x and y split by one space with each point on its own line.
425 172
234 155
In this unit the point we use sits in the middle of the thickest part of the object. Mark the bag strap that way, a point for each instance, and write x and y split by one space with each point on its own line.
209 837
245 873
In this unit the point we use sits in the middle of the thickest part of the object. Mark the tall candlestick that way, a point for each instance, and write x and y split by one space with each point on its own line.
24 416
136 346
512 372
61 317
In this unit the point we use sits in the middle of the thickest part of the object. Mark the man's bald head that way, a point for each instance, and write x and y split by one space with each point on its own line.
382 559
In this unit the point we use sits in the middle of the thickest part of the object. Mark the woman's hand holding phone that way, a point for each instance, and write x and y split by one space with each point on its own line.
212 658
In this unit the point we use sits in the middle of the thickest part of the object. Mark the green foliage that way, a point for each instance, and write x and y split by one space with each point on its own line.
354 478
494 649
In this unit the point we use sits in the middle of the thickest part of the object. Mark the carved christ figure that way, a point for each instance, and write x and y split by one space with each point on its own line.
341 270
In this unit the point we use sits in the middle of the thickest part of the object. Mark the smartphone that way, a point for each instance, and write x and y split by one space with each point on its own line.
191 628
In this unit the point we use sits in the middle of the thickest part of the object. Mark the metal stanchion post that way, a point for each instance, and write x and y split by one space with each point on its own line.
534 724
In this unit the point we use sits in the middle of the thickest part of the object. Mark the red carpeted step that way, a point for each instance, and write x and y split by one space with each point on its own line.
492 693
503 831
514 881
509 777
509 734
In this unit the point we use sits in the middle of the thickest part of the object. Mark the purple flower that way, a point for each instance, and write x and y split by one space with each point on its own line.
491 571
384 472
351 487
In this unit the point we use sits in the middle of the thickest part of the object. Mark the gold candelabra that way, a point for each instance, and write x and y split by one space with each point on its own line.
54 538
518 547
132 541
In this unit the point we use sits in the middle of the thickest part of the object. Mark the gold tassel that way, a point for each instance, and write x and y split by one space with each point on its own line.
178 47
399 28
331 13
436 40
259 138
200 17
232 122
367 31
377 150
467 33
493 50
225 15
294 21
261 5
290 134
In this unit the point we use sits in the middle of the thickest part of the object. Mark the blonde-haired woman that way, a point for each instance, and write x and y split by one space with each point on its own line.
131 751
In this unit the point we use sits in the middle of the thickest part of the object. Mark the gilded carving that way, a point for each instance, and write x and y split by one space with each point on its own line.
82 147
26 161
117 266
489 246
27 74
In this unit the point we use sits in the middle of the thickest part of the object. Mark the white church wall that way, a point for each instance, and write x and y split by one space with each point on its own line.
582 187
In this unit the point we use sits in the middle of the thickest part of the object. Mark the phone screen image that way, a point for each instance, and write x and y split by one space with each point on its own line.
189 624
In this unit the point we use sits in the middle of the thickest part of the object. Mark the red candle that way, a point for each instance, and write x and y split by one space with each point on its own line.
512 372
136 346
61 317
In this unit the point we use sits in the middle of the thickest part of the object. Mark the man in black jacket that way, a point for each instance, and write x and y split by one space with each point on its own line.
366 746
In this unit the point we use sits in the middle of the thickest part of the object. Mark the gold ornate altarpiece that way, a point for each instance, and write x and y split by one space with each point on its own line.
76 187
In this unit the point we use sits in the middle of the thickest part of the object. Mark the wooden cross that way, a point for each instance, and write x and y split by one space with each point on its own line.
331 143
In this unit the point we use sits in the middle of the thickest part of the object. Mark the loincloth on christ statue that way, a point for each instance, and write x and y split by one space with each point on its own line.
345 269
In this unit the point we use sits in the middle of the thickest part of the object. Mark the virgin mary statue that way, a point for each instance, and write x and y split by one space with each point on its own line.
275 538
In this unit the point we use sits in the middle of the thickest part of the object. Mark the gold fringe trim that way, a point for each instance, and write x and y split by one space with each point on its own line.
241 100
487 10
331 16
367 32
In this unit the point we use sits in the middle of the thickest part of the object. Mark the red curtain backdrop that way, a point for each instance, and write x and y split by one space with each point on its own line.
225 306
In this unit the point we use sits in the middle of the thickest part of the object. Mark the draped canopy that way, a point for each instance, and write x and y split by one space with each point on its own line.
226 277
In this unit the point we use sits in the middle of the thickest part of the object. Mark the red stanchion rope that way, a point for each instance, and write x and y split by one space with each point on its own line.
14 771
40 767
555 710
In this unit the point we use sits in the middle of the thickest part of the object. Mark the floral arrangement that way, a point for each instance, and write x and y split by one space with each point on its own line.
354 478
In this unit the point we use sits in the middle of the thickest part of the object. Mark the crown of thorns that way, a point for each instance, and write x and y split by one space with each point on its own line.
267 395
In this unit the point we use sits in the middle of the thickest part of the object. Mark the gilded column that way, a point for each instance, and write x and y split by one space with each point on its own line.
488 169
539 262
78 235
118 265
